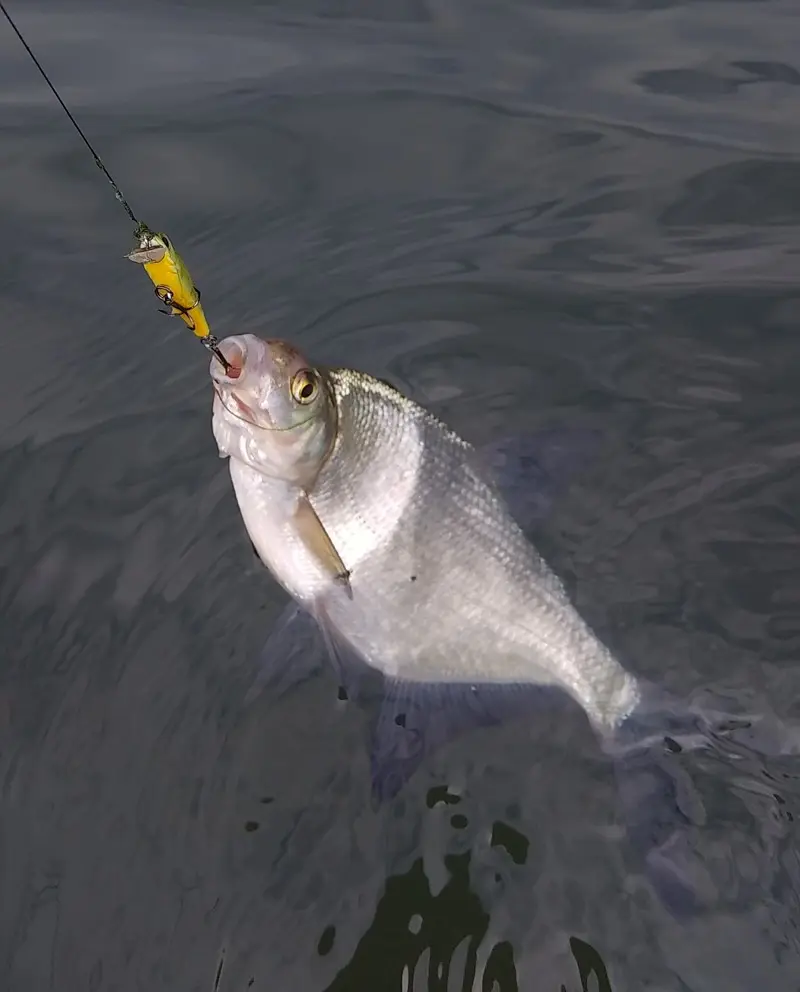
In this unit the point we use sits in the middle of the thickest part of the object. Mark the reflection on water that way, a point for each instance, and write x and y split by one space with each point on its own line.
418 940
522 214
422 940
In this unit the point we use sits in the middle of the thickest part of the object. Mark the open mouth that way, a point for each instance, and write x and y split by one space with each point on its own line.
235 356
225 381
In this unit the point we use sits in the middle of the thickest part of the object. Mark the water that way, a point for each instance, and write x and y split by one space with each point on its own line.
522 213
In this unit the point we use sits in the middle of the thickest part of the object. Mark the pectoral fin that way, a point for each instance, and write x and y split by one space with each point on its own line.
318 542
300 643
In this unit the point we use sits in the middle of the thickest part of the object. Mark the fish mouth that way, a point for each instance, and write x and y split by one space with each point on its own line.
234 352
225 380
238 386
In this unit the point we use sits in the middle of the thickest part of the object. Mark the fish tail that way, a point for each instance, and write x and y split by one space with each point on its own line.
656 794
661 806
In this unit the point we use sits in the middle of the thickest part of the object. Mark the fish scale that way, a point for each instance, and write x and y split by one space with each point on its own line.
379 521
400 495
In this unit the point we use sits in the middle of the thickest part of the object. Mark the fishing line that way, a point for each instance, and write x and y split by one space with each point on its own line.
164 293
97 160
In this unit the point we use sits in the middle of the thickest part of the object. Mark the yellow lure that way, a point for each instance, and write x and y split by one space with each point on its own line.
174 286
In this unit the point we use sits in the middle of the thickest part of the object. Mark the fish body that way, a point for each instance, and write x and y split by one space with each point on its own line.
171 278
381 523
445 586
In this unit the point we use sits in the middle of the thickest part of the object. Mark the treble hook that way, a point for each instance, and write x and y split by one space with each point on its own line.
167 297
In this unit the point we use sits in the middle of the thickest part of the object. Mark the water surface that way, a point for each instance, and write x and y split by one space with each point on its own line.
521 213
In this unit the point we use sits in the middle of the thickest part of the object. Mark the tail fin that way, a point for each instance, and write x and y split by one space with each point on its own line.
660 804
647 747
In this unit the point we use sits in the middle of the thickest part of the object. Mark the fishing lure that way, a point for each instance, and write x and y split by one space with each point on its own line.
166 269
171 279
174 286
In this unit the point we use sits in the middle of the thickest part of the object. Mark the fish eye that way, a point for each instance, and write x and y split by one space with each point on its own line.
304 386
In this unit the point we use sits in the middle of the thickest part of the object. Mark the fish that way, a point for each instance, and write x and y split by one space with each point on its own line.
398 550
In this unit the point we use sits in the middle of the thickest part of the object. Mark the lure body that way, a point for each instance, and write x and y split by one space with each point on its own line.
172 281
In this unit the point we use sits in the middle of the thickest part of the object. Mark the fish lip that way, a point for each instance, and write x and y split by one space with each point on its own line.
234 351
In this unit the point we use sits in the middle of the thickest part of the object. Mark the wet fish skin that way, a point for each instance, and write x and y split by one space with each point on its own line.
445 590
256 406
446 587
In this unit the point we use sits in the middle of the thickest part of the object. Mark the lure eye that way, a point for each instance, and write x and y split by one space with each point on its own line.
304 386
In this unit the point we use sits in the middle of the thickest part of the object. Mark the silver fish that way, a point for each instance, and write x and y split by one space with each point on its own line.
383 525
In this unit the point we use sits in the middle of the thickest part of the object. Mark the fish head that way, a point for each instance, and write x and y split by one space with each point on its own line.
272 409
